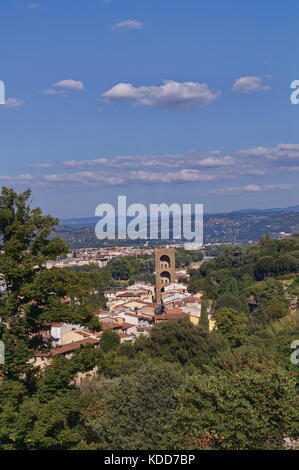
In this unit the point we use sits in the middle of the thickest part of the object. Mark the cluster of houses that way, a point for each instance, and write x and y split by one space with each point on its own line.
64 339
99 256
135 306
131 312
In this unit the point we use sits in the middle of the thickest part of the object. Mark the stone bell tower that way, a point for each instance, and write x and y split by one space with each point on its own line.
165 270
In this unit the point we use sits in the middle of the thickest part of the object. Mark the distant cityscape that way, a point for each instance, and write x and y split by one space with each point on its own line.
235 227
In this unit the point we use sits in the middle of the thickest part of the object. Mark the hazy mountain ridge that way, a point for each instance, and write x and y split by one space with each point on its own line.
238 226
88 221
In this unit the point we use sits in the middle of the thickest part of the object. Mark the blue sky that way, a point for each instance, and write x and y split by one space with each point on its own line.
160 100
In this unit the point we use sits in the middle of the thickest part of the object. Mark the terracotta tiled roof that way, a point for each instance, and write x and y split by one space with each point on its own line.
173 311
109 325
127 294
73 346
125 325
172 316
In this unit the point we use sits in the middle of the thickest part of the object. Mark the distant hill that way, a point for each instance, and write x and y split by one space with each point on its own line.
287 209
90 221
229 227
80 221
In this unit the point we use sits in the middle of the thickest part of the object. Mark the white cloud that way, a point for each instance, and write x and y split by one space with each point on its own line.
34 5
84 178
217 162
192 159
23 178
254 152
95 178
250 188
249 84
288 147
70 84
184 175
211 166
14 103
42 165
170 95
281 152
195 166
85 163
127 25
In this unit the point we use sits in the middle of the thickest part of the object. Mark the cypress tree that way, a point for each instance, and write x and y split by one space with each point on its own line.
204 320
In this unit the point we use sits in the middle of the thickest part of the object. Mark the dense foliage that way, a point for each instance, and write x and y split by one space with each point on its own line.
182 387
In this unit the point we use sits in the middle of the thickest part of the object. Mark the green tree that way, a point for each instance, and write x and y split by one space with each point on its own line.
204 319
55 425
177 341
233 325
228 300
134 410
120 269
109 340
25 247
246 405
